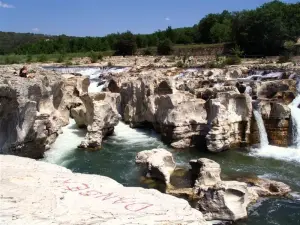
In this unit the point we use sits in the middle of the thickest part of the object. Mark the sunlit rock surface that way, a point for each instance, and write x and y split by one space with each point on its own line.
34 192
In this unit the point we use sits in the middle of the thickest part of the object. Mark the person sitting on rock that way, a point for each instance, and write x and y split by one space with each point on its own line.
23 72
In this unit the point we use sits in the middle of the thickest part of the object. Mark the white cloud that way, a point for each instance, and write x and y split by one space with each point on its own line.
167 19
4 5
35 29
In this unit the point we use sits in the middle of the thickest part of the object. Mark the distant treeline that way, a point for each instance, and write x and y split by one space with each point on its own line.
262 31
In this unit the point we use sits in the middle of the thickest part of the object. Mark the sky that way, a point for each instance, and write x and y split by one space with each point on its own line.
101 17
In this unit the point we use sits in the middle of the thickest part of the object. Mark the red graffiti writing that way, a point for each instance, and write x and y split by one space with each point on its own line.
130 204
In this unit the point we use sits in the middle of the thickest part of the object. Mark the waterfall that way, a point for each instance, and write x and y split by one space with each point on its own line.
295 114
270 151
261 128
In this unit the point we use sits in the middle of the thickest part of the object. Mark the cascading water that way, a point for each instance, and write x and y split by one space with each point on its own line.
295 115
93 73
261 128
270 151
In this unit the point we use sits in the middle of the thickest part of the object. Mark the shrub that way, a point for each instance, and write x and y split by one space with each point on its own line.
29 58
61 58
11 59
164 47
93 56
284 58
147 51
233 60
109 64
42 58
180 64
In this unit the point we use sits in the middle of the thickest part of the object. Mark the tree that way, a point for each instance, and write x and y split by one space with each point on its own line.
164 47
126 44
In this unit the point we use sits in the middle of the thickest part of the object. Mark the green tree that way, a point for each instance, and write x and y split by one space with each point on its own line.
164 47
126 45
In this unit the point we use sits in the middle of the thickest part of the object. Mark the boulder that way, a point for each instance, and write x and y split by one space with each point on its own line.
158 163
227 200
206 172
216 199
101 117
35 192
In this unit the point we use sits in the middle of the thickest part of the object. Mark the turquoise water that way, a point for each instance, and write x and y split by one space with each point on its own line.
117 160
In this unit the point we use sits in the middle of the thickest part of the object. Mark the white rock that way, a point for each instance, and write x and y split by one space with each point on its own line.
34 192
158 162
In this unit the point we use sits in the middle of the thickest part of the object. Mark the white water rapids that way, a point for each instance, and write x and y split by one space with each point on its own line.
270 151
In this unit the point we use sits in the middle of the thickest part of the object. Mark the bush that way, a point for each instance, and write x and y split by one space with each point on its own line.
147 51
180 64
93 56
29 58
61 58
165 47
11 59
42 58
109 64
284 58
233 60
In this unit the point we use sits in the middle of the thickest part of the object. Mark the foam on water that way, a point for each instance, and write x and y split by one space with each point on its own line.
124 135
65 144
269 151
280 153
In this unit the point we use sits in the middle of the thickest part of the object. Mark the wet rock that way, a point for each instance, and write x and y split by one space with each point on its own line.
158 163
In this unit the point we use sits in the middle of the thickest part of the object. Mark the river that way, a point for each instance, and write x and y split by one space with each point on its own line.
116 159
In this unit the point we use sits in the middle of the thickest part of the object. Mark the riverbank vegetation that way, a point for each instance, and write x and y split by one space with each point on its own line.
262 32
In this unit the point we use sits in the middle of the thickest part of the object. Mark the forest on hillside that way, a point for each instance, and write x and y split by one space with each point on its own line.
262 31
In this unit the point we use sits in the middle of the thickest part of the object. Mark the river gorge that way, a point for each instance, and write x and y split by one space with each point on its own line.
243 119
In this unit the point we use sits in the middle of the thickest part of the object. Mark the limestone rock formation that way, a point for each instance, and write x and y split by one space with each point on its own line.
216 199
101 117
205 172
34 192
158 163
33 110
229 115
265 187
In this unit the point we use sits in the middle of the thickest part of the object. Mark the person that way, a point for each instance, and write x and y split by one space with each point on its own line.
23 72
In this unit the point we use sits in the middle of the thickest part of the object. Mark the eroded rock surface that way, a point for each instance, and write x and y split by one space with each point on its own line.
158 163
101 117
216 199
33 110
34 192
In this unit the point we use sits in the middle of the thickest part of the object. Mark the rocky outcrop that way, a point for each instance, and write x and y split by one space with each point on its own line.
33 110
265 187
158 164
273 101
216 199
101 117
229 115
55 195
179 117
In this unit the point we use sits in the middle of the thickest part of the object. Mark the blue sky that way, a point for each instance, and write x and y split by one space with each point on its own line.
100 17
